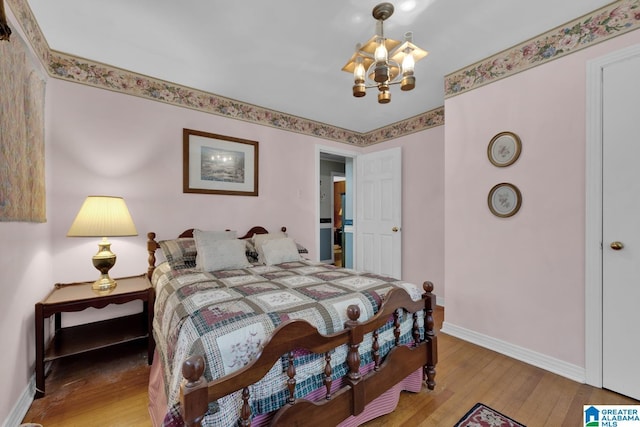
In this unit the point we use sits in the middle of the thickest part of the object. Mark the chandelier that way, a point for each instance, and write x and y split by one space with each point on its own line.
383 62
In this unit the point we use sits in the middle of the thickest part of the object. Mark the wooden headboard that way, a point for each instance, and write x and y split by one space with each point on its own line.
153 245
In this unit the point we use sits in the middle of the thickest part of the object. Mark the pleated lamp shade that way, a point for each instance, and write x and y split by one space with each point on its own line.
103 216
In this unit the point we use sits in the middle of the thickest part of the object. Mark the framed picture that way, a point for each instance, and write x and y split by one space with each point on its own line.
504 149
504 200
217 164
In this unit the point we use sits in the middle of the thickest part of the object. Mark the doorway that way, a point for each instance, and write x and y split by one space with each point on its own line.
620 228
335 210
339 199
606 294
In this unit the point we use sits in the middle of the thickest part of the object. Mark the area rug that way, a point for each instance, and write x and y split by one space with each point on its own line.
483 416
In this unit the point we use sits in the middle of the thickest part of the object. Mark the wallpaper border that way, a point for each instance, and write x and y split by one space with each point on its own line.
615 19
609 21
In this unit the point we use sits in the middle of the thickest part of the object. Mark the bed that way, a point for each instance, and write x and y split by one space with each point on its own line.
277 339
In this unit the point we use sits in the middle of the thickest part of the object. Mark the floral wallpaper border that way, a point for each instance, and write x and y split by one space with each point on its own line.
609 21
617 18
80 70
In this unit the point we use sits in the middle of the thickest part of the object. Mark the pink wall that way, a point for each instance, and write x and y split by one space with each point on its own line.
25 268
521 279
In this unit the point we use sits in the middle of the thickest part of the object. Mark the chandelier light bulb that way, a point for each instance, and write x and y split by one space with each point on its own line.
358 72
381 72
381 53
359 88
408 63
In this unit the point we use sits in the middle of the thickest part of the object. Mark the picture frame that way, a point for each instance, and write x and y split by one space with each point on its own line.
504 200
504 149
219 164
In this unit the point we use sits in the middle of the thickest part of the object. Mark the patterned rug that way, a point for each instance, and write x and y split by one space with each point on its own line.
483 416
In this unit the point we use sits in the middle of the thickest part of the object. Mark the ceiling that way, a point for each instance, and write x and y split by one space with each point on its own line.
287 55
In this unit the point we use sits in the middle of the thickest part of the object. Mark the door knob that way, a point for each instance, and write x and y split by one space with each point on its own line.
616 246
395 229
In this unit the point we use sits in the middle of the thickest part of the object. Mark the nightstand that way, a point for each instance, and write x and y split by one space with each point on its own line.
69 297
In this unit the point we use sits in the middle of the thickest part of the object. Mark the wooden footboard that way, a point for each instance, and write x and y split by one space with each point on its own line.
360 390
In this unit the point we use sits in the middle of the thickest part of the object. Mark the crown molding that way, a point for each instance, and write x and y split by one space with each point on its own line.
615 19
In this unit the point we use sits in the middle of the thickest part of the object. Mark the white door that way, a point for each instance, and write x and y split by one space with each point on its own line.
621 227
379 212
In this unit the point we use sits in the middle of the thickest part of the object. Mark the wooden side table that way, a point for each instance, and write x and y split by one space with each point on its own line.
78 339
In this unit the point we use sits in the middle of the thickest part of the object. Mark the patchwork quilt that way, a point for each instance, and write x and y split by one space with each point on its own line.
227 315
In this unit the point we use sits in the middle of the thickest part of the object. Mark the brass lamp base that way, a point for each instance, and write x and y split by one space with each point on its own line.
104 283
103 261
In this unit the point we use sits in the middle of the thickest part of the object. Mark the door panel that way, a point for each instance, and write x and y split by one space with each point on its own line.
379 212
621 210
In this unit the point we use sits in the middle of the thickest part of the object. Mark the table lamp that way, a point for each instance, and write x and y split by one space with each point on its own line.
103 216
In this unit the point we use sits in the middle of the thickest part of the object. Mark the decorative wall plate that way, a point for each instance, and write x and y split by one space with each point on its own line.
504 200
504 149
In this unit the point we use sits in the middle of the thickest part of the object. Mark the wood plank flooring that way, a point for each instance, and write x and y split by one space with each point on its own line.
109 388
102 388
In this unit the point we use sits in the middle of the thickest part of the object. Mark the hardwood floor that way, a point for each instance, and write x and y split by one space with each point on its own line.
467 374
109 389
101 388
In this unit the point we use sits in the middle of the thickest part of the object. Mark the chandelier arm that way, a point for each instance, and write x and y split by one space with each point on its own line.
387 83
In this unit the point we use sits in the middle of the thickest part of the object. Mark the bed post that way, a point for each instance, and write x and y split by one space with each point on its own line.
430 336
152 246
354 378
194 396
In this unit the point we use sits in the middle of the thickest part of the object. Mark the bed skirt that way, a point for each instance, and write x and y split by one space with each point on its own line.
383 405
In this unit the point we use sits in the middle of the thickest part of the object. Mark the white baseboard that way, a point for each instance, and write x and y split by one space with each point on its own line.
15 417
551 364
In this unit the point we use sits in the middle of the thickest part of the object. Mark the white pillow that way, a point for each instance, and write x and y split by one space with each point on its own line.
222 255
260 239
277 251
206 246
